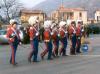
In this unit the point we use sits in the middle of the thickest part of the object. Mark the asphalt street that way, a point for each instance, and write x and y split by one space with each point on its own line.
85 63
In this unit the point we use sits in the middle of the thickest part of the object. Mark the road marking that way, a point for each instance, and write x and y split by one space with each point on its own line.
86 55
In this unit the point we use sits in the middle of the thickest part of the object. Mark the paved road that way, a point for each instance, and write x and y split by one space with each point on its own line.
88 63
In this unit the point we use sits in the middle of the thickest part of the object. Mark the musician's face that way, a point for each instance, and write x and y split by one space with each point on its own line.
35 25
73 25
79 25
15 26
63 26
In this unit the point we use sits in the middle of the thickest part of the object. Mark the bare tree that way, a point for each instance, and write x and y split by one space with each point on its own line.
11 8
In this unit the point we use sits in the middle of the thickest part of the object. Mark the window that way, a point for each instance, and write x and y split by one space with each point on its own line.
2 32
80 14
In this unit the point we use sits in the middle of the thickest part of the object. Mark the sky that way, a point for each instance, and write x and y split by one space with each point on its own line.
30 3
27 4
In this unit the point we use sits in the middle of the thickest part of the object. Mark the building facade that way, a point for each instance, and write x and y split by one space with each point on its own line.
25 14
97 16
69 14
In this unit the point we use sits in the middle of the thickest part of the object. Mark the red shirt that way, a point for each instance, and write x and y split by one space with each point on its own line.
11 31
62 33
55 34
32 33
78 31
47 35
71 30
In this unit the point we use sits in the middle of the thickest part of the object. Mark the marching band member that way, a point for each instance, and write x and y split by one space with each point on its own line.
72 34
63 37
33 33
47 40
14 39
78 36
55 39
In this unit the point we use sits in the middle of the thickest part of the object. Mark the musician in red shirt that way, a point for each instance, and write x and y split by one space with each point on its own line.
63 37
55 39
14 39
47 40
33 33
78 36
72 35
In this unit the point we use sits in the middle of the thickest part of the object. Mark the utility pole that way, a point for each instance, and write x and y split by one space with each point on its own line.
62 18
61 2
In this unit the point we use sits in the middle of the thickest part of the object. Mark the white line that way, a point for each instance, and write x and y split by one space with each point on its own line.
86 55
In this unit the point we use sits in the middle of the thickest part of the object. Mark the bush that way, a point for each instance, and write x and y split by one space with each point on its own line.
26 39
93 29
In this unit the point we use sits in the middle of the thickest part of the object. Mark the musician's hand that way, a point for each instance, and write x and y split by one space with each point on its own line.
11 40
58 35
20 43
31 39
37 33
66 32
71 44
52 33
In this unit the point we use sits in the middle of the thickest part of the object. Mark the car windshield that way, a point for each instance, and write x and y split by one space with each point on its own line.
2 32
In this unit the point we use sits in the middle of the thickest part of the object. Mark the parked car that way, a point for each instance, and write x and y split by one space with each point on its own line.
3 38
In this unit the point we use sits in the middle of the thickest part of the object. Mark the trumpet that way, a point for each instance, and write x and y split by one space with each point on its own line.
12 35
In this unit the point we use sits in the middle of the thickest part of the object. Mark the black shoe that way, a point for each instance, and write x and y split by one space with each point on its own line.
36 61
50 59
57 56
42 57
64 55
53 55
73 53
79 52
15 64
29 60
